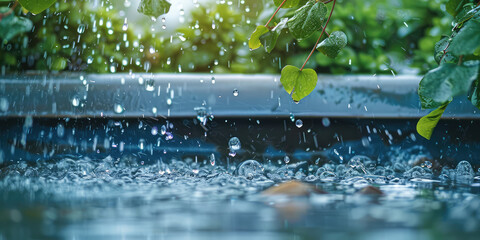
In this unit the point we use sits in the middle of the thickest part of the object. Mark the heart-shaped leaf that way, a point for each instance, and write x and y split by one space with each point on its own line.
467 39
254 41
307 19
427 124
287 4
332 45
445 82
11 25
36 6
154 8
298 83
269 39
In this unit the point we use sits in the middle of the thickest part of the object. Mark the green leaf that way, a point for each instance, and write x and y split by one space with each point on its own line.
11 25
254 41
59 64
332 45
36 6
439 47
454 6
154 8
287 4
466 12
427 124
307 19
467 39
474 94
298 84
441 84
269 39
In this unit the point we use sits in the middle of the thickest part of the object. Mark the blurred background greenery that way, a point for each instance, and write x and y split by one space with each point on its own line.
385 37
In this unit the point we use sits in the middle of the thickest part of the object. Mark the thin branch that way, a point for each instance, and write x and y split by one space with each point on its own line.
2 15
275 13
321 34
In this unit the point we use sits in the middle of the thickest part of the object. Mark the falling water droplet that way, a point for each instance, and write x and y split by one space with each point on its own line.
286 159
81 28
163 130
299 123
118 108
326 122
75 102
3 104
234 144
141 144
212 159
235 92
154 130
150 85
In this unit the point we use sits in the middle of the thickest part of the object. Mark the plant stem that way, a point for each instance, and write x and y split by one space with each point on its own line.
275 13
321 34
460 59
2 15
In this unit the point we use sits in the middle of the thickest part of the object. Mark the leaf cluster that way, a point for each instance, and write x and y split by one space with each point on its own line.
308 18
458 73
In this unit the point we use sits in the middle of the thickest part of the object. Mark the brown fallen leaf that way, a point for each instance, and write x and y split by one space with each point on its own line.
370 190
293 188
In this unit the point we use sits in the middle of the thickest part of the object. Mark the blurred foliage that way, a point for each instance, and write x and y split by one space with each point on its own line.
383 35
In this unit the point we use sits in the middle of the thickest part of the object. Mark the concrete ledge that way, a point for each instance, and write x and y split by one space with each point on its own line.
178 95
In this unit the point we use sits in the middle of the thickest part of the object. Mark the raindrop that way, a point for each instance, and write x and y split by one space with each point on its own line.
234 144
169 101
427 164
201 114
75 102
154 130
163 130
150 85
118 108
292 117
81 28
235 92
326 122
286 159
141 144
212 159
3 104
250 169
89 60
299 123
464 170
60 130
